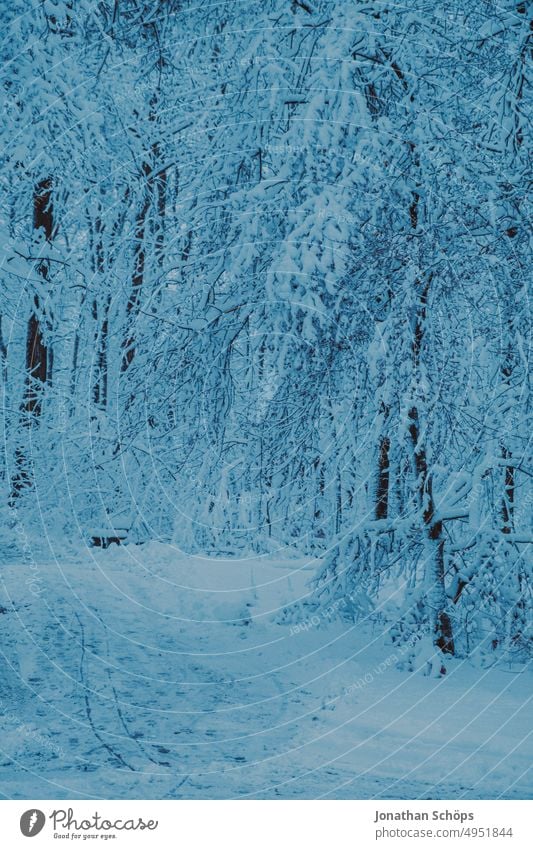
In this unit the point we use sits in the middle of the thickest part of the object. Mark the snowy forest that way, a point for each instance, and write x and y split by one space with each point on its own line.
264 294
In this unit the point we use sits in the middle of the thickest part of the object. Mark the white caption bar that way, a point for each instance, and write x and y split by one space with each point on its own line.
267 824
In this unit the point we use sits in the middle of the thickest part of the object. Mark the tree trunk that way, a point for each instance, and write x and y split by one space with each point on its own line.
442 625
101 318
139 260
437 600
382 487
38 358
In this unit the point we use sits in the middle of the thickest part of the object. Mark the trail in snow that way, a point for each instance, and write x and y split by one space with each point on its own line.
140 673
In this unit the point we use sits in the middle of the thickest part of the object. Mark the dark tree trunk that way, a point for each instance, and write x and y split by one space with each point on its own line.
101 318
508 495
338 504
36 366
38 358
43 213
102 334
442 625
139 261
382 488
161 195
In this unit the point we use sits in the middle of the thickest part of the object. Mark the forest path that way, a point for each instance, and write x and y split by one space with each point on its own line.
141 673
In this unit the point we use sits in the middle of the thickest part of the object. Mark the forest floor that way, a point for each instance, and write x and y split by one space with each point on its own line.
137 672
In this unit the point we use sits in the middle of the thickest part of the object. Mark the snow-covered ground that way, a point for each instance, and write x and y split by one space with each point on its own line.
137 672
